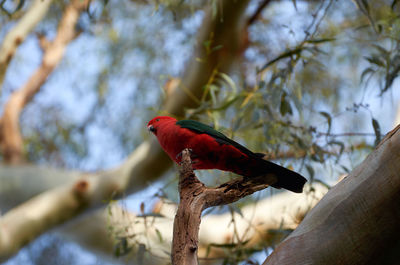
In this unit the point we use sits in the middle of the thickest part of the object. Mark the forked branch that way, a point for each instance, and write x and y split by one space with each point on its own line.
196 197
11 143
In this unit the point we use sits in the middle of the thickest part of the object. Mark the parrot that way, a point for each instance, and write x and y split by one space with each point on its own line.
211 149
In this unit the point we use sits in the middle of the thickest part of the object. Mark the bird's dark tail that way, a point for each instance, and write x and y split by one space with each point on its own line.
287 179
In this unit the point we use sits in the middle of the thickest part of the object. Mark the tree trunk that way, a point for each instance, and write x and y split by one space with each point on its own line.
357 221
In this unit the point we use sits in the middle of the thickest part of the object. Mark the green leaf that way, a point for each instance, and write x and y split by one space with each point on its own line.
377 130
230 83
212 90
390 77
207 44
318 155
289 53
311 172
374 59
225 105
367 71
285 105
328 119
316 41
214 8
216 48
345 169
365 4
159 235
380 49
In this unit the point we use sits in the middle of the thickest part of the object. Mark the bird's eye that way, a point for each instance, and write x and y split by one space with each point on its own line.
157 119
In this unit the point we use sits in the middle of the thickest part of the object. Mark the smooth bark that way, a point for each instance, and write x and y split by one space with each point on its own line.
11 142
356 222
257 222
17 34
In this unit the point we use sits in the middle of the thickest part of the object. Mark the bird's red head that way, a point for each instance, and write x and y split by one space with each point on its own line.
158 121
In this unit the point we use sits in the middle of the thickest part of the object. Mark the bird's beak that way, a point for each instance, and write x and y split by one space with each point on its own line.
151 128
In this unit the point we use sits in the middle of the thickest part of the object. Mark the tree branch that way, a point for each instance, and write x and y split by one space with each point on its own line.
196 197
11 143
253 18
256 224
225 35
54 206
138 169
17 35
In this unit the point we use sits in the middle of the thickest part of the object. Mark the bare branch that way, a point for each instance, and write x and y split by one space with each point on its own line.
258 223
18 34
25 222
11 143
196 197
253 18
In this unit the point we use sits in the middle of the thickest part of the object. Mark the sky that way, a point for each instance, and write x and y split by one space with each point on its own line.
104 147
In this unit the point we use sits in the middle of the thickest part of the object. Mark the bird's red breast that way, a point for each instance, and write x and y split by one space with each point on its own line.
213 150
207 152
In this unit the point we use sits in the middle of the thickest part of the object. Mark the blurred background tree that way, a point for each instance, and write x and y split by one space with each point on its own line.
309 83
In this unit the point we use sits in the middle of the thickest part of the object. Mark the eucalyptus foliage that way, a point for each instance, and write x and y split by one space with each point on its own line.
300 93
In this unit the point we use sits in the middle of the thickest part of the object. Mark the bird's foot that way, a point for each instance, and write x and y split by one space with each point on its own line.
193 157
179 156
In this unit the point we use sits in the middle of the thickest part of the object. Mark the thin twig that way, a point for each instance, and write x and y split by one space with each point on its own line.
257 13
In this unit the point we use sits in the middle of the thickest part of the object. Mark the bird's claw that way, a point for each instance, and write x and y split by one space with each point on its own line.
179 156
193 157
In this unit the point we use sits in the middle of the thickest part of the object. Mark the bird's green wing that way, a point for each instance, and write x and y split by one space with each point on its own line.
199 127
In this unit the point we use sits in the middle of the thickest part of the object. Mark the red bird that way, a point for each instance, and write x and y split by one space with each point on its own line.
213 150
